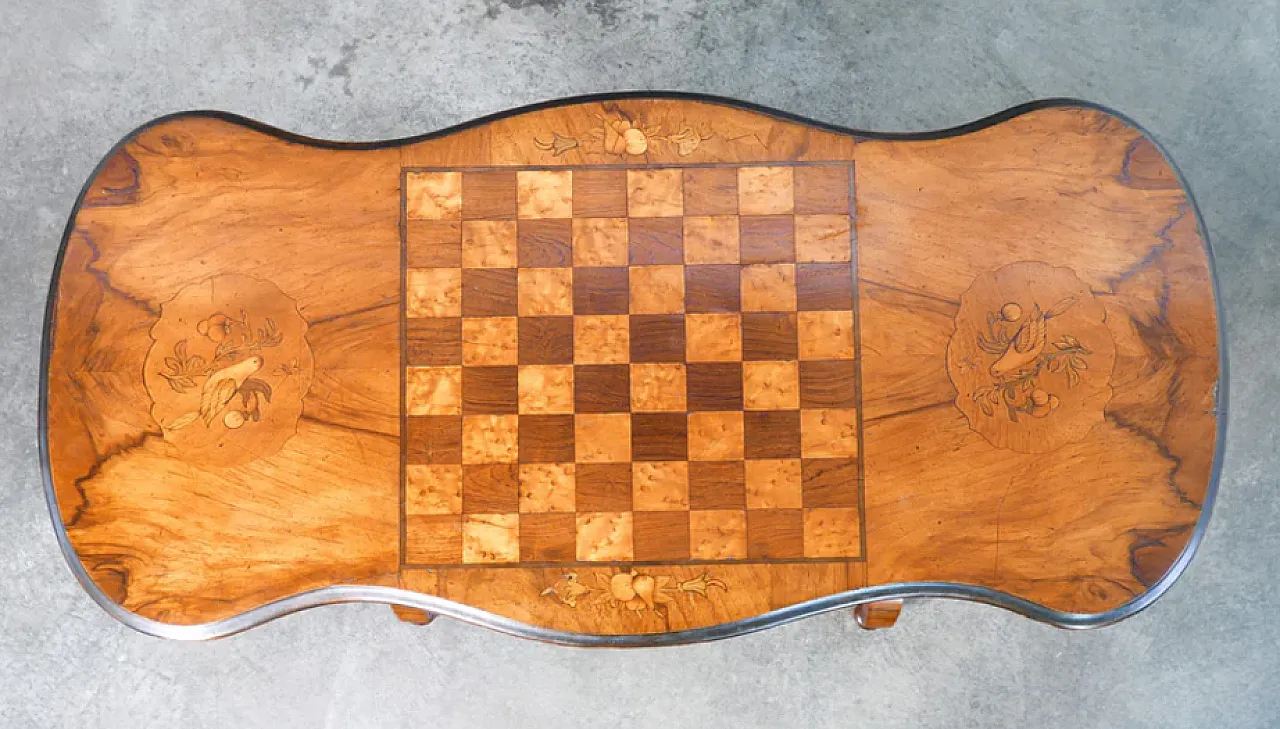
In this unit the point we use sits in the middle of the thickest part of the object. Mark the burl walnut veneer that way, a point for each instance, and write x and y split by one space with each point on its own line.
632 371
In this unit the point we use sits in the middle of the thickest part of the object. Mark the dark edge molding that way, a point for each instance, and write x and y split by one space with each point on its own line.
376 594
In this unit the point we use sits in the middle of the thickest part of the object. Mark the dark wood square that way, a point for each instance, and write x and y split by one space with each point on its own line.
433 341
433 439
775 534
767 238
546 340
546 439
829 482
602 388
599 193
659 436
489 195
489 292
714 385
433 539
717 485
711 191
657 338
490 390
492 488
655 241
713 288
660 535
822 189
828 384
601 291
824 286
769 336
772 434
545 243
433 244
602 487
548 537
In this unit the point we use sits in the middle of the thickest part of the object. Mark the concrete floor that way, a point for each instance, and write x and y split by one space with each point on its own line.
1204 77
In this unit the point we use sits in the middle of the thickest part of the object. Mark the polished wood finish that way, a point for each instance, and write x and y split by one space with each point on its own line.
877 615
634 366
413 615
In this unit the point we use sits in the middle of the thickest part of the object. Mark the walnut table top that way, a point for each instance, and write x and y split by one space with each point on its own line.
630 371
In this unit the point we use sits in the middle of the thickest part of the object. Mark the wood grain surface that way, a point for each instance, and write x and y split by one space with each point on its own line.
634 366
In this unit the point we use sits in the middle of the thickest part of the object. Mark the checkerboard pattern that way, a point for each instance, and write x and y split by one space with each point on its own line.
630 365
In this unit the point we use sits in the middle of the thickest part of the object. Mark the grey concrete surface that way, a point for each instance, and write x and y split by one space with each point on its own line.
1203 76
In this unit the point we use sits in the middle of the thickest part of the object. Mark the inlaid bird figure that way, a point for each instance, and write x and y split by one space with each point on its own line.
218 390
1028 341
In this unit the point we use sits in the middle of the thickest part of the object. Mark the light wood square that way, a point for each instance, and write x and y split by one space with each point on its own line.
655 193
834 532
713 337
544 193
490 538
490 438
433 390
432 490
711 239
823 239
718 535
774 483
602 339
826 334
657 289
433 292
715 436
602 438
545 389
660 486
433 195
766 191
605 537
600 241
829 433
769 287
489 244
770 385
658 388
546 487
490 341
545 291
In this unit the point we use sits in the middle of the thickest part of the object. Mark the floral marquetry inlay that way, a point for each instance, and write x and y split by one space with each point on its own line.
227 369
633 590
1031 357
620 135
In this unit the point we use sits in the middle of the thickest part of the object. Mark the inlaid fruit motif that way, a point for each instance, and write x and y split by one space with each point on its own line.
632 590
620 135
227 370
1031 357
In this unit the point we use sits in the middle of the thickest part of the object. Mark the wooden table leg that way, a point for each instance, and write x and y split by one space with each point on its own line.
413 615
877 615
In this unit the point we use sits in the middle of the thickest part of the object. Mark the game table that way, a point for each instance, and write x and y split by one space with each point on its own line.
632 370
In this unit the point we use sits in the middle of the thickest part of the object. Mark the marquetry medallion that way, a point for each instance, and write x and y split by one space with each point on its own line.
227 369
1031 357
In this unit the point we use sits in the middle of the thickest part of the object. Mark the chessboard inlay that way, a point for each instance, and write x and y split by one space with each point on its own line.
630 365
